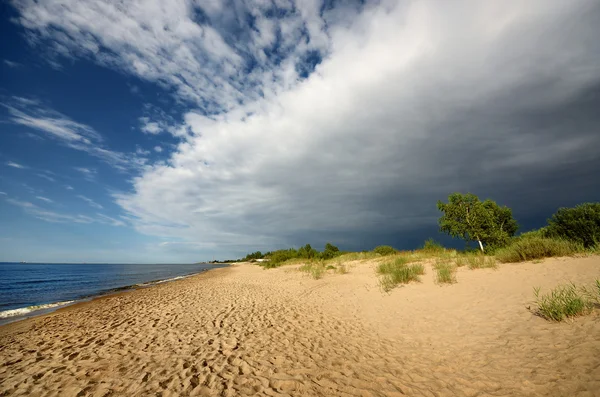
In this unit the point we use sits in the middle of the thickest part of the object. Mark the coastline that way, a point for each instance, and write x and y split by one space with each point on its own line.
242 330
51 307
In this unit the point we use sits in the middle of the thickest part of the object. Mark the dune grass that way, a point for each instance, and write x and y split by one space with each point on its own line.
342 268
445 272
316 269
355 256
385 250
566 301
398 271
531 248
476 261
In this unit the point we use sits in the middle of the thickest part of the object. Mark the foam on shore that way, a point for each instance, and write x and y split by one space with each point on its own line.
34 308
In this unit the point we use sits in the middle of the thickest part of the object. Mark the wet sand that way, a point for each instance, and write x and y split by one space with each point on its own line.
248 331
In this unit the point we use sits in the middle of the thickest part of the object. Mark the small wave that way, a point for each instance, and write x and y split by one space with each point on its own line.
149 283
25 310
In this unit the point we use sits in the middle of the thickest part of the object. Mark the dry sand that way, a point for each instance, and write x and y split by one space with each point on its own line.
248 331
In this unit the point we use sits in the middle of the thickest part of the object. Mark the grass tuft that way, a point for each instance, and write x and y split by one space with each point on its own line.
476 261
342 268
445 272
527 249
399 272
315 269
565 301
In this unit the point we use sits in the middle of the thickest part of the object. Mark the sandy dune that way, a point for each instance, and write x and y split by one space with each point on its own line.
248 331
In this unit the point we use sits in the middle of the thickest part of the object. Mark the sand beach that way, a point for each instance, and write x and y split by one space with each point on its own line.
243 330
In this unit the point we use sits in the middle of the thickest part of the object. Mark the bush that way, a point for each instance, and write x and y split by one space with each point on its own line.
563 302
331 251
276 258
526 249
580 224
385 250
398 272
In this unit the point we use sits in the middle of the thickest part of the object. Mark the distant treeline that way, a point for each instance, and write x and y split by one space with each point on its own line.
491 226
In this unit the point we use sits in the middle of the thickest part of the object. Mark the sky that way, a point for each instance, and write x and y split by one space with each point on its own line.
182 131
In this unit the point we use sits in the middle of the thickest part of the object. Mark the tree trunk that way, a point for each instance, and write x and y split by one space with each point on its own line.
480 246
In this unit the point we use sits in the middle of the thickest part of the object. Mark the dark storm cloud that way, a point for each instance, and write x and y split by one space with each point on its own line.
408 102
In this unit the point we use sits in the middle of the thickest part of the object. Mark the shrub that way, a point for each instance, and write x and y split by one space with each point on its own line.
276 258
331 251
562 302
526 249
385 250
445 273
580 224
307 252
398 272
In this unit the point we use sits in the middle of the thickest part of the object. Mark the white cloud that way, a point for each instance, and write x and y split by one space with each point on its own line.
156 121
49 216
12 64
57 217
78 136
46 199
213 65
90 201
68 187
88 173
141 152
158 149
15 165
110 221
150 127
3 194
46 177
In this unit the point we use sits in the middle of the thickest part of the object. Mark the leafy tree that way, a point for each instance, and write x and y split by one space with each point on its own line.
502 226
580 224
466 217
254 255
331 251
307 252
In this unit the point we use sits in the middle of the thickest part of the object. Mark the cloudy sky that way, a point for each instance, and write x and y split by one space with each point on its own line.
153 131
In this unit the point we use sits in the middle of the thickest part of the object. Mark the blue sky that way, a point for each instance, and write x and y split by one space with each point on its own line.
138 131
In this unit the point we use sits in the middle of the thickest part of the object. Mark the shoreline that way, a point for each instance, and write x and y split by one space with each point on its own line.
242 330
53 307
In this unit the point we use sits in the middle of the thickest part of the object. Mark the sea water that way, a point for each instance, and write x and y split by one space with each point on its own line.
28 289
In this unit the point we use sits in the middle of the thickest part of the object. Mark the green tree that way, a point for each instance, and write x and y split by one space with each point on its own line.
307 252
331 251
466 217
580 224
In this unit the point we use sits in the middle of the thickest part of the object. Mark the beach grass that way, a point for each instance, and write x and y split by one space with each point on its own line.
445 272
316 269
476 261
531 248
566 301
398 271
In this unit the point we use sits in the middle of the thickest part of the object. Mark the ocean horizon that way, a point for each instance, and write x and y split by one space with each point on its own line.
30 289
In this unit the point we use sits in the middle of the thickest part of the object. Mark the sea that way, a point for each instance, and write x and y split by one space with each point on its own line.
30 289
